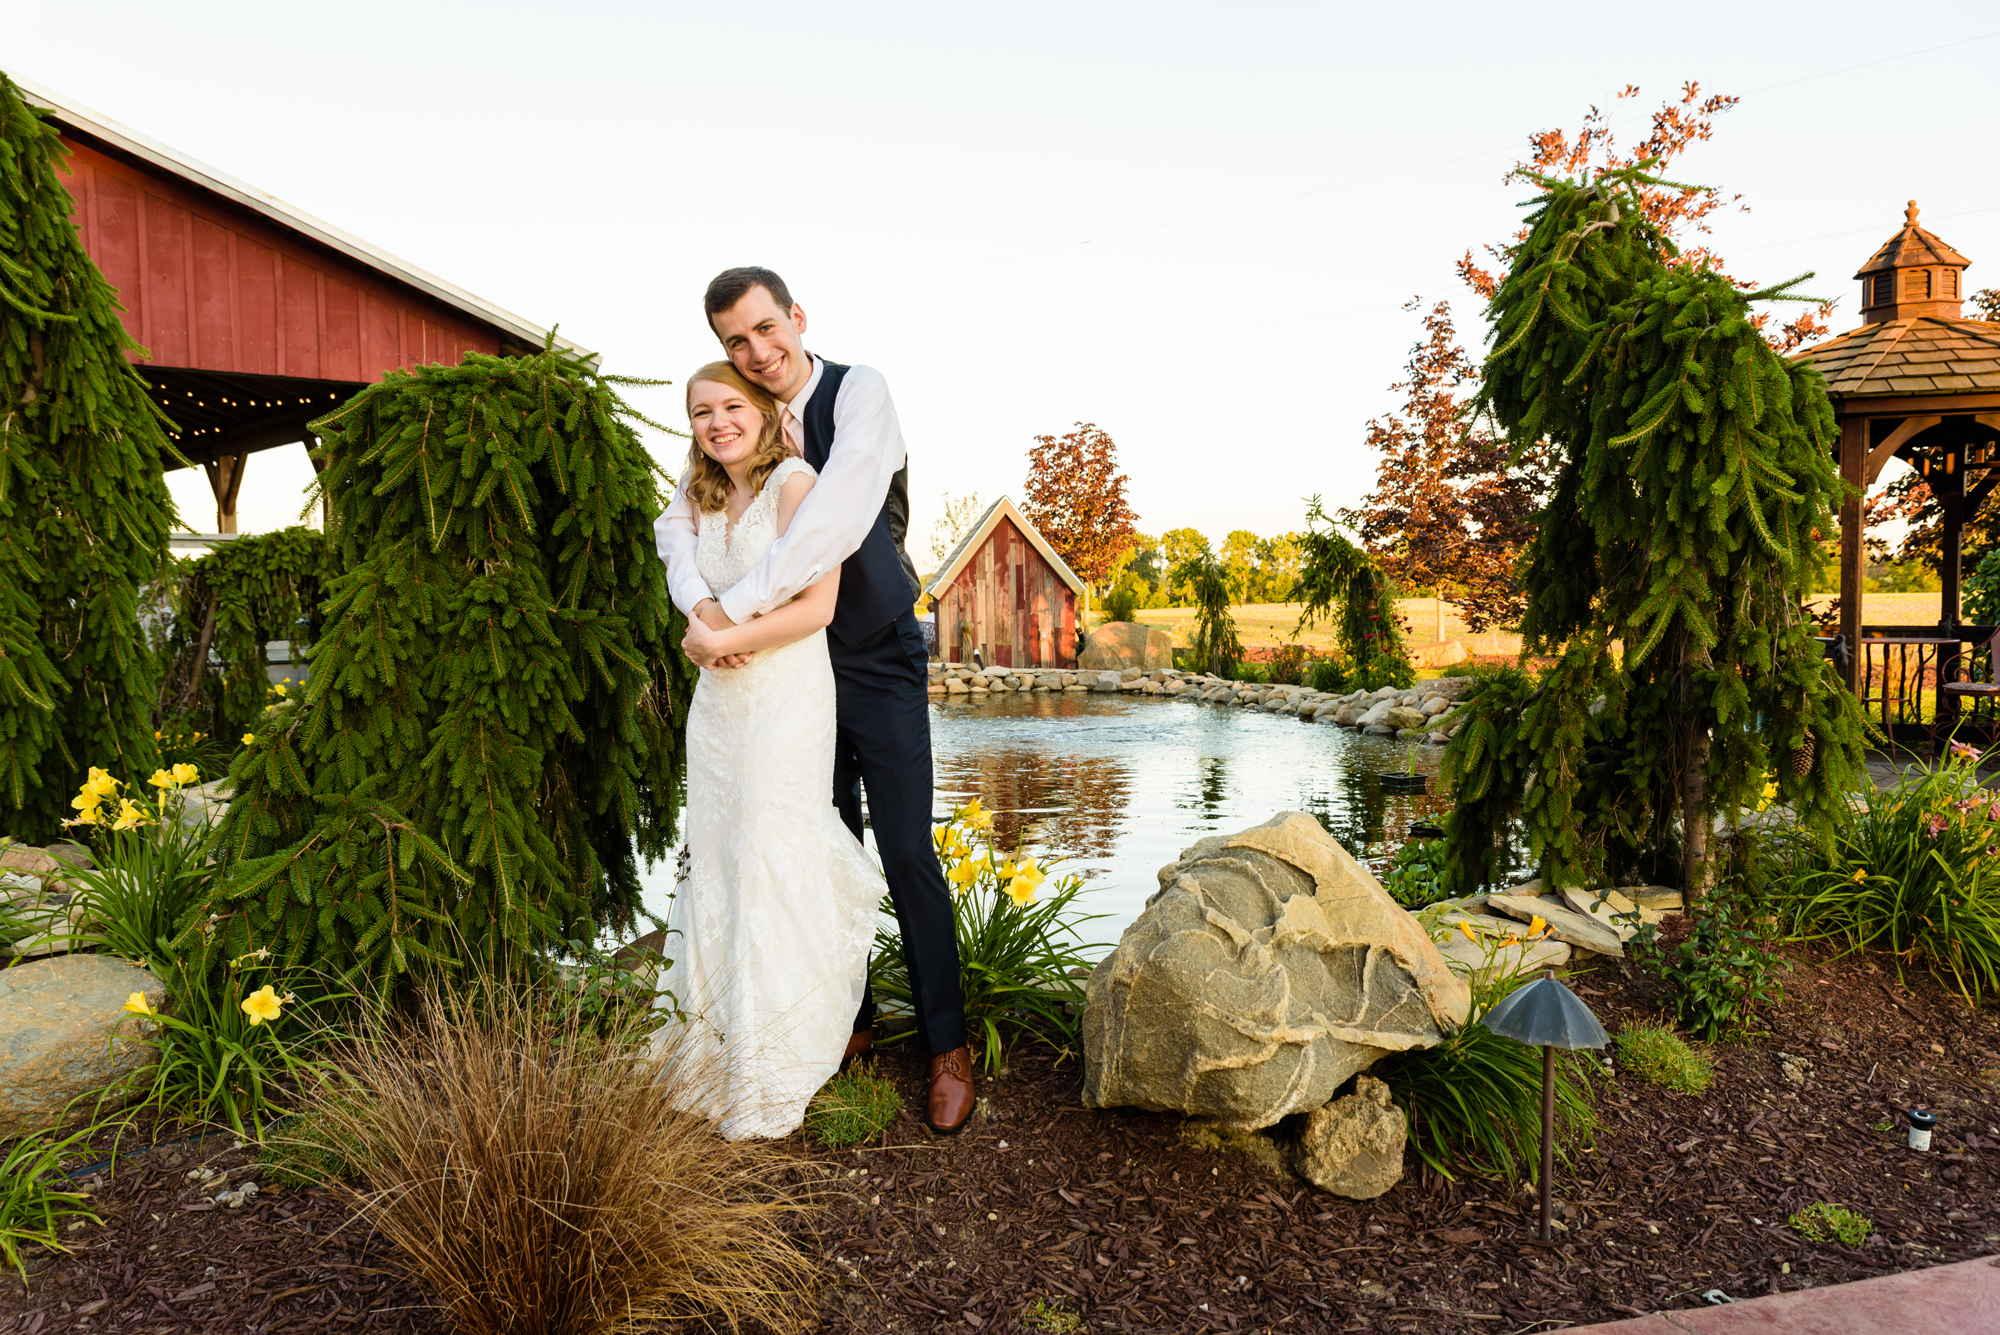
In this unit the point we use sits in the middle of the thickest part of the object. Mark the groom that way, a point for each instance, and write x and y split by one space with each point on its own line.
840 419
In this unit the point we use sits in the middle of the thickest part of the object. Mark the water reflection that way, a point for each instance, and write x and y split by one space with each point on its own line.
1121 785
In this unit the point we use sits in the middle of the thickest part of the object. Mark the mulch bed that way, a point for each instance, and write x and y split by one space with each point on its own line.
1045 1206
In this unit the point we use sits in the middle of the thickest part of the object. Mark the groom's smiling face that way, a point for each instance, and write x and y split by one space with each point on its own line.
762 341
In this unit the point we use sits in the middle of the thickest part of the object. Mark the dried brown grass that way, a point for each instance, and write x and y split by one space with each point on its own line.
534 1172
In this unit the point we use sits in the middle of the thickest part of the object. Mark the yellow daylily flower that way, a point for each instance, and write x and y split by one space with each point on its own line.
1022 890
1536 926
161 779
264 1004
130 815
1470 935
249 739
100 783
185 773
963 874
137 1004
86 802
976 816
1860 875
158 736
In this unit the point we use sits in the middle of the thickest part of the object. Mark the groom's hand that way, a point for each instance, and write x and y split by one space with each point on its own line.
698 646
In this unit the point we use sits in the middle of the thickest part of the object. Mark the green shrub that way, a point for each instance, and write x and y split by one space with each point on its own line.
1659 1056
1475 1100
1913 873
1121 605
1721 971
1821 1222
1416 873
1288 665
1017 952
1328 674
854 1106
32 1207
1254 673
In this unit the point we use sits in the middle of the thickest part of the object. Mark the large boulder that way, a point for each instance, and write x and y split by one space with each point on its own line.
1270 968
1127 644
64 1032
1353 1146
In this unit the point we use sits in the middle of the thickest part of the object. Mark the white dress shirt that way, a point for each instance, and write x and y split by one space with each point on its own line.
836 515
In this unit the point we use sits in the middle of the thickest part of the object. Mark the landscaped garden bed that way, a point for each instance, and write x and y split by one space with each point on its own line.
1045 1207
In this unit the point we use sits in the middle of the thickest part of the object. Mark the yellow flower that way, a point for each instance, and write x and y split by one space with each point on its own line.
185 773
86 802
1470 935
161 779
1023 880
130 815
157 736
1860 875
137 1005
100 783
249 739
1022 891
963 874
976 816
198 736
949 846
264 1004
1536 926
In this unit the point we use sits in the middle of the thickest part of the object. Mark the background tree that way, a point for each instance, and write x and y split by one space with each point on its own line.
84 508
951 526
1214 647
1339 579
1695 473
497 705
1449 510
1178 548
1076 497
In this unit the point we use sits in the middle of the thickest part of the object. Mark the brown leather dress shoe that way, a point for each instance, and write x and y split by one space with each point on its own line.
952 1095
858 1047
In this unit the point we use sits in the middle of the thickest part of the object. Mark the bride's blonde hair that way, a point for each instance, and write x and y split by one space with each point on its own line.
707 482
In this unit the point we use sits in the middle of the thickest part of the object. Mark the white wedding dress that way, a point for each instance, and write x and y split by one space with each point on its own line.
769 933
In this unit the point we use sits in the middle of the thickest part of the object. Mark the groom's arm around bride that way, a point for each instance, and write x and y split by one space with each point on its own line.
841 421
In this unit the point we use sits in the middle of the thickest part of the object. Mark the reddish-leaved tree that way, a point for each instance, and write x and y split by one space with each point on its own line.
1076 497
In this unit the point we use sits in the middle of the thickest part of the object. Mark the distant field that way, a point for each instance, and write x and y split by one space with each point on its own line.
1267 625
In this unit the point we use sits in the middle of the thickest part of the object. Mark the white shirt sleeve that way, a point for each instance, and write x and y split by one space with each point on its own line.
837 513
675 537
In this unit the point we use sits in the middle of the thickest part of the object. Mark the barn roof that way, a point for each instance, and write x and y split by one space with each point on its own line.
71 115
967 545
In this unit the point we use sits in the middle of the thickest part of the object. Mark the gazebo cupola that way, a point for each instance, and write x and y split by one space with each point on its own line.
1913 274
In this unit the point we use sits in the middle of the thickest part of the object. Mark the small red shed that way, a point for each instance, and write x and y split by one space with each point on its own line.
1005 594
256 317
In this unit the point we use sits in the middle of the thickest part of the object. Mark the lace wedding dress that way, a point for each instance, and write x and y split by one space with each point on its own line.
769 933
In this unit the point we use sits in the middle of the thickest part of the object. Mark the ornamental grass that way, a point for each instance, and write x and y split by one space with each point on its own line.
529 1163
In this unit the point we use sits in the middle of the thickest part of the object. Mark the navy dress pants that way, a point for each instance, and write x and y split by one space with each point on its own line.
883 745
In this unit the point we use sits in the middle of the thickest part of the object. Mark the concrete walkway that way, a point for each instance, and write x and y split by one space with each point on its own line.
1958 1299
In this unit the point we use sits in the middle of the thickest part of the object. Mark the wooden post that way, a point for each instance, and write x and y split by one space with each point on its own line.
1853 559
1951 542
225 479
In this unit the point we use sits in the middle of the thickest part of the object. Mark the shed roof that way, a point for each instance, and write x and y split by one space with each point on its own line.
1912 247
71 115
967 545
1924 355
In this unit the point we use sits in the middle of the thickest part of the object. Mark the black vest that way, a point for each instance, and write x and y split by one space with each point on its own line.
877 583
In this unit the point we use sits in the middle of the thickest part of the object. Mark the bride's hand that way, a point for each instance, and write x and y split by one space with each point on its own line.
703 648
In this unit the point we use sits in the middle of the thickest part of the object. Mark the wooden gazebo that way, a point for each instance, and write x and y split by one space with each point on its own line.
1920 382
256 317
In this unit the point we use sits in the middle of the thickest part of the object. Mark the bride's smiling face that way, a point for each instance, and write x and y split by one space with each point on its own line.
726 425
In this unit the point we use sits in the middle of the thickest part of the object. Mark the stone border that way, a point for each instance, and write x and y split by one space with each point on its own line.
1427 712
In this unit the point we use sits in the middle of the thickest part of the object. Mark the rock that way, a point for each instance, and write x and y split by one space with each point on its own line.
1132 673
1610 909
1346 716
1403 717
1482 960
1268 970
1353 1146
1443 654
1127 644
29 860
1379 730
1661 898
1795 1070
957 687
1376 713
1382 693
76 855
1105 681
64 1031
1436 705
1451 688
1565 924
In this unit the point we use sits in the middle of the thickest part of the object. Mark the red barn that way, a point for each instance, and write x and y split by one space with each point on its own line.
1005 594
256 317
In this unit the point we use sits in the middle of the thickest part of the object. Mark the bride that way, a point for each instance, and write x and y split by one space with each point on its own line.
769 933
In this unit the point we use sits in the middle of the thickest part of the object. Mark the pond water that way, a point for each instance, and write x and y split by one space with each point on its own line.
1118 785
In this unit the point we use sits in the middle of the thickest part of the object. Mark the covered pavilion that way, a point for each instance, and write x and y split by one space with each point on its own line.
1920 382
255 317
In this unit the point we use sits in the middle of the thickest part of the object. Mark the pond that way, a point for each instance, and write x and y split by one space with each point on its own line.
1119 784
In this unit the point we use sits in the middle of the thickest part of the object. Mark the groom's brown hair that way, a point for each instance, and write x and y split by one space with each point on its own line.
727 288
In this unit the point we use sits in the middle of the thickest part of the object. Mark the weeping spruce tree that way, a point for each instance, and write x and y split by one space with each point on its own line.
84 510
497 703
1696 477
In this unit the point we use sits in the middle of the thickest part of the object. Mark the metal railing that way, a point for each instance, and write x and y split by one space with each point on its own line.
1900 673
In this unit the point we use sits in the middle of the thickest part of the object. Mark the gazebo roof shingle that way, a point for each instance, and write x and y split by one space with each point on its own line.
1925 355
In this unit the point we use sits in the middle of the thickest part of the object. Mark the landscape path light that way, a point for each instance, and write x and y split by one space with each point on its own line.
1922 1123
1547 1015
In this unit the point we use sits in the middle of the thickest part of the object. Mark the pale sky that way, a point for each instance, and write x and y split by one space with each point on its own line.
1192 225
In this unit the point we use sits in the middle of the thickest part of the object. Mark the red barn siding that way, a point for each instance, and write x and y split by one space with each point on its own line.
1009 605
212 287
